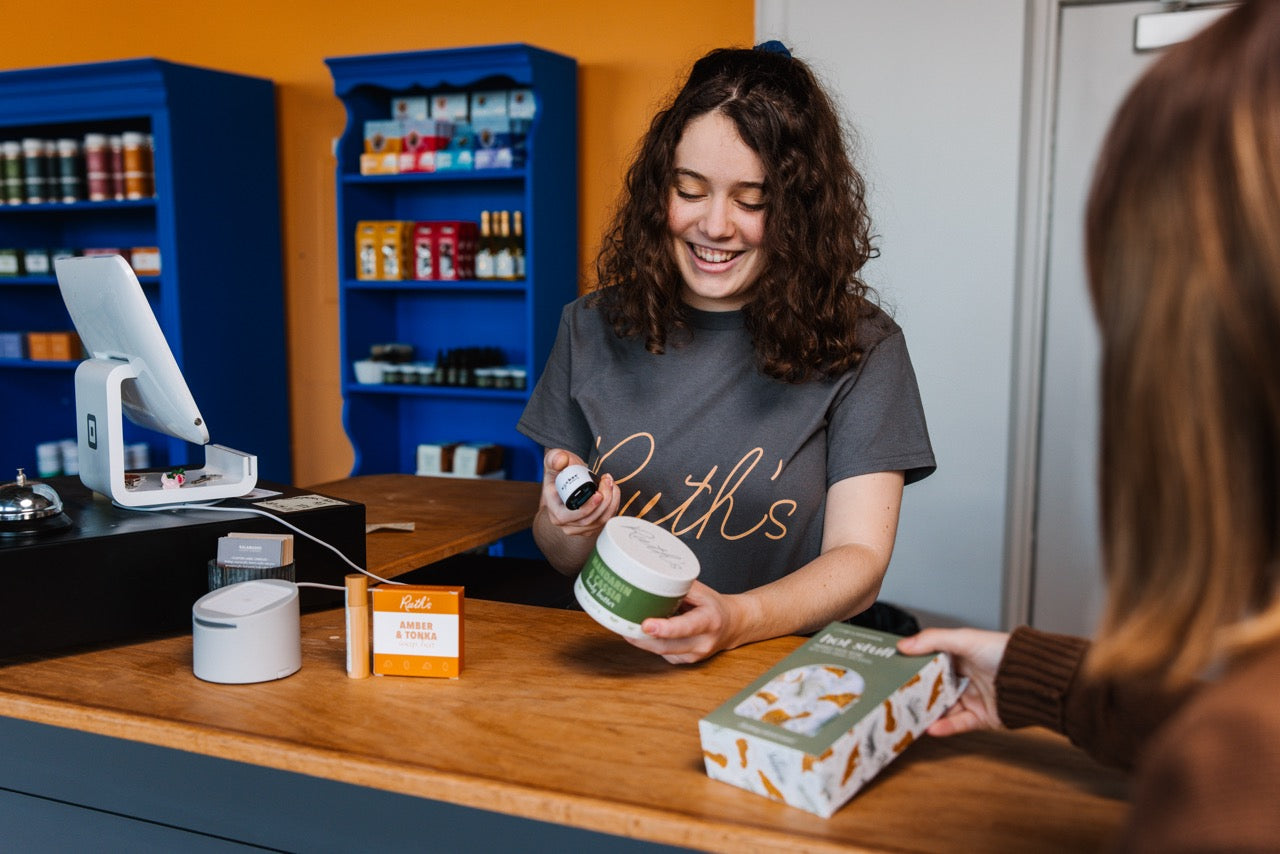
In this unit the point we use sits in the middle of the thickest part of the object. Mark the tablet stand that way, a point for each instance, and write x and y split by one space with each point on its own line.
99 430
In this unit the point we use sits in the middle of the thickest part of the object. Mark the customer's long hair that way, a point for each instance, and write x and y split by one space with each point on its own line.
817 230
1183 235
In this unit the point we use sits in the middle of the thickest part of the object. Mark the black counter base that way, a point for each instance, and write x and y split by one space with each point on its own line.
118 575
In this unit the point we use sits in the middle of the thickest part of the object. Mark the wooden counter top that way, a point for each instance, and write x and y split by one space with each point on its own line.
450 515
556 719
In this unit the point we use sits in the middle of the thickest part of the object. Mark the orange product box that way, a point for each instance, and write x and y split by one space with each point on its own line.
395 238
53 346
382 142
145 260
417 630
64 346
368 238
38 346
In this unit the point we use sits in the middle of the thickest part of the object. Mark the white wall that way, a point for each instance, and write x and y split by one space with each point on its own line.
935 92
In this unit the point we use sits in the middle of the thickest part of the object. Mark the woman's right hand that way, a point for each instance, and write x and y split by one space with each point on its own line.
587 520
975 654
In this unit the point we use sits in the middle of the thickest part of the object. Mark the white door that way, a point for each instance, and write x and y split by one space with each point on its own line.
1097 63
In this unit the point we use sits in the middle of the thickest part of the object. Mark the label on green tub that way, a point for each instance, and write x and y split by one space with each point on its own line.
621 597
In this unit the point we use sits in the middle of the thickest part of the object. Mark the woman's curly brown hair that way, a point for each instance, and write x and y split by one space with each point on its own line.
809 295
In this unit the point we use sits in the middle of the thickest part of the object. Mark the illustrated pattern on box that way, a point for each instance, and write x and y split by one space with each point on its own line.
817 727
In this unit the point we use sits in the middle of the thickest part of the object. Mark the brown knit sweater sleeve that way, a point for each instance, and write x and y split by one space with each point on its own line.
1037 670
1041 683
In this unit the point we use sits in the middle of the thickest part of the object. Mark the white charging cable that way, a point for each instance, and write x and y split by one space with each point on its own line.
288 525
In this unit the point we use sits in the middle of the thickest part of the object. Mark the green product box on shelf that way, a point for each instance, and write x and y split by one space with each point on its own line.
820 724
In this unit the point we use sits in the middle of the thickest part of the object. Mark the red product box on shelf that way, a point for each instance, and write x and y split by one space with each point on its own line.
424 250
420 140
444 250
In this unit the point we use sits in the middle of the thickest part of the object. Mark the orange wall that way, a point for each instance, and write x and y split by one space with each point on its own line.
630 55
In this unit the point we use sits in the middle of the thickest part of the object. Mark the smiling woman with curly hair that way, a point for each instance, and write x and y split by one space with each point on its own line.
809 292
730 378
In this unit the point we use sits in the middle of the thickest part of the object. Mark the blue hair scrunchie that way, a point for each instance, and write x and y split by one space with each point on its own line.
774 46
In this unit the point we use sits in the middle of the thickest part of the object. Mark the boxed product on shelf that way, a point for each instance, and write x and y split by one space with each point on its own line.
521 103
409 107
493 143
476 459
145 260
381 147
444 250
54 346
820 724
36 262
383 249
12 345
424 264
459 153
10 262
488 104
394 238
451 106
436 458
367 249
419 141
460 459
126 254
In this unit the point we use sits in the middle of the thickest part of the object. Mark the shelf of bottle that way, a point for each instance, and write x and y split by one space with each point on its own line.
52 281
468 286
63 207
447 176
468 392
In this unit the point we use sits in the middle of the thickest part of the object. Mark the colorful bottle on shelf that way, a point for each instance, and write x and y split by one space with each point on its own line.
484 248
504 262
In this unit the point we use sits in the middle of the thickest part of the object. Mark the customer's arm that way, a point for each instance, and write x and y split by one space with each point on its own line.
1035 678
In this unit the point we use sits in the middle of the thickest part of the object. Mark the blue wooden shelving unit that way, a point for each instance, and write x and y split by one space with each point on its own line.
386 423
216 220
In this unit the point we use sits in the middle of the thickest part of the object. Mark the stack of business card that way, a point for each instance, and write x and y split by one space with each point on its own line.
246 557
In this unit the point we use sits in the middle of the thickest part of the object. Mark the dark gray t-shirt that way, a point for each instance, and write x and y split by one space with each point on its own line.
702 443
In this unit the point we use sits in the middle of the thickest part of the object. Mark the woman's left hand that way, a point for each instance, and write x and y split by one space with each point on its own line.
702 628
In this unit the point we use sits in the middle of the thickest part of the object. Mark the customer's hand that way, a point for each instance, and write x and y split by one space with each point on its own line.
976 654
